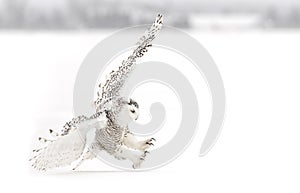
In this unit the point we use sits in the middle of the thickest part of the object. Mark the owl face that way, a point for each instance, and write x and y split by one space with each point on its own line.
133 109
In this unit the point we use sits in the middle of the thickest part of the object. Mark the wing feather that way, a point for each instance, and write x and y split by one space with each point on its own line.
111 89
68 146
60 152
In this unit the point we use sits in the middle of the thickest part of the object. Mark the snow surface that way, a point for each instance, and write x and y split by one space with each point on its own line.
258 149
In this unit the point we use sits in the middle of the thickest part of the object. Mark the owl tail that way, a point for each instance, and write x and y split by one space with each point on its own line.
60 152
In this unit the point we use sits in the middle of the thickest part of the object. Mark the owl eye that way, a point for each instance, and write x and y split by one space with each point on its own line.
133 111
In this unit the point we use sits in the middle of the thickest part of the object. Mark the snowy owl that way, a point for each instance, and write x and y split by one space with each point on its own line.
109 123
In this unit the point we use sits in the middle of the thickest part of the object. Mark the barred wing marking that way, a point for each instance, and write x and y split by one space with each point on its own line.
69 145
111 89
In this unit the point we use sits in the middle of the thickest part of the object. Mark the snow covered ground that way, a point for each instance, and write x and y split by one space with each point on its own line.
258 150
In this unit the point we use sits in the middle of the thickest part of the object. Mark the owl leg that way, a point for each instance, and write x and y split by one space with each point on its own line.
131 141
137 157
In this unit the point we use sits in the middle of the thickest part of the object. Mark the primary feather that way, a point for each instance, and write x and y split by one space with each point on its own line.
62 152
69 145
110 91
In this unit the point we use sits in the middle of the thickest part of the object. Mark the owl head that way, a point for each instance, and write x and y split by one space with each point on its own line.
127 111
133 109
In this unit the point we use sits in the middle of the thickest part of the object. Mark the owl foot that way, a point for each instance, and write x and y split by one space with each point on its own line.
147 144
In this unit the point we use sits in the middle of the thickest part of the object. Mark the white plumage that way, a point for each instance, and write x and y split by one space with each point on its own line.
62 152
113 113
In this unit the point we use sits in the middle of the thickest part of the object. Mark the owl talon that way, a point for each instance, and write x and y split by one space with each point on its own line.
149 143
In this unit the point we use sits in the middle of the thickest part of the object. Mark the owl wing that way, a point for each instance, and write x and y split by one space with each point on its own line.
111 89
60 152
69 145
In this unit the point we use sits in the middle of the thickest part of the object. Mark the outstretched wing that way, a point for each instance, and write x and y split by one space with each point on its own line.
69 145
111 89
60 152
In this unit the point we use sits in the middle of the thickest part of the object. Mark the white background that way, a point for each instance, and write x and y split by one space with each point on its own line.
258 149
